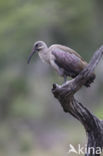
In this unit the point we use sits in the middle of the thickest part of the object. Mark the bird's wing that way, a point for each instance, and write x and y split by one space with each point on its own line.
72 63
68 50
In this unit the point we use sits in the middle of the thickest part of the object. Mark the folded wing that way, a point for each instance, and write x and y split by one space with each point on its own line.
70 62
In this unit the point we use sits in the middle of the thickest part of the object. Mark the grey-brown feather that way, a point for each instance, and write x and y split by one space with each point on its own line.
71 64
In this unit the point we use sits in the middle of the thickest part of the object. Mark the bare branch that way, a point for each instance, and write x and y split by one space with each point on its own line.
65 95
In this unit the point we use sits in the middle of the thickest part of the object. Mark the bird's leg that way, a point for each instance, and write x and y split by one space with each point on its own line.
65 78
59 70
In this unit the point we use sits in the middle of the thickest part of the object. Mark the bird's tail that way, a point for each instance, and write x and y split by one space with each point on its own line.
91 80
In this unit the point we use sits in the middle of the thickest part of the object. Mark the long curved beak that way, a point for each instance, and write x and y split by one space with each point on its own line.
32 53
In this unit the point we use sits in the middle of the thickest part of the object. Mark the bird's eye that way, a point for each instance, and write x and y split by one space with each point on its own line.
37 45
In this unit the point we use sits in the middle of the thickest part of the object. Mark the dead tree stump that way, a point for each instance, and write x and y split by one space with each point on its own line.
65 94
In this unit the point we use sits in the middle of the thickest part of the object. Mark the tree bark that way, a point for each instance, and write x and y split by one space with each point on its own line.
65 94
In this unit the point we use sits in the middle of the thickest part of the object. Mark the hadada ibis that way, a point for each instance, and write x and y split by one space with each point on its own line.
64 60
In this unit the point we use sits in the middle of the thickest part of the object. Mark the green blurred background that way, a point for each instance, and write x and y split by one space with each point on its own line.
32 122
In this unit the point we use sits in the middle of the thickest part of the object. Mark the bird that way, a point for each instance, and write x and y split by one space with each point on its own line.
66 61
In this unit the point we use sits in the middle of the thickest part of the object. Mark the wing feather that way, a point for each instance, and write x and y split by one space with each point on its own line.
67 50
72 63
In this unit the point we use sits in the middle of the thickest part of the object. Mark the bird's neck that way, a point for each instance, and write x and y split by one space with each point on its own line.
44 55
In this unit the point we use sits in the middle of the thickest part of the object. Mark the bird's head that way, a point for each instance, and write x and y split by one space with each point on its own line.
37 47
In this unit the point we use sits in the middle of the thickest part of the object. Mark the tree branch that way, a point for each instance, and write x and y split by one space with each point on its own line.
65 95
